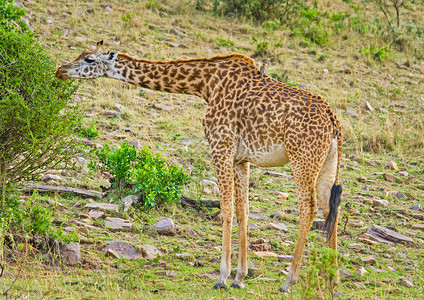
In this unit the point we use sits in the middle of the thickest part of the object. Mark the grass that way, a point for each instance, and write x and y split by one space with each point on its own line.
394 130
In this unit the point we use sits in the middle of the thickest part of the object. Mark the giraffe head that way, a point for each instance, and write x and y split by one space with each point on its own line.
90 64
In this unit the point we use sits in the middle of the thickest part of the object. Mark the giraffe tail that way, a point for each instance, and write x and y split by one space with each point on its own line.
330 221
336 190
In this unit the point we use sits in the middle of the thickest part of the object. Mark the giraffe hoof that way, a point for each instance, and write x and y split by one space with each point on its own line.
219 286
283 290
238 285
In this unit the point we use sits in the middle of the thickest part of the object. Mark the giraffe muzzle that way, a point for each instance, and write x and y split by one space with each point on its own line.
62 74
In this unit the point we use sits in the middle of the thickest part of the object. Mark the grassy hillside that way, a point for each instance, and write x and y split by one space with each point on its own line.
372 76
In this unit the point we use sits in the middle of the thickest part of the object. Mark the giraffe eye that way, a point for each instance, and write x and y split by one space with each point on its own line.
89 60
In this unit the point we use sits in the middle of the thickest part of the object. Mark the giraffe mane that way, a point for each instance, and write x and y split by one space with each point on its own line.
215 58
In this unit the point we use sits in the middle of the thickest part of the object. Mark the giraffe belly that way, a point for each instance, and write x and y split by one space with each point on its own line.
267 156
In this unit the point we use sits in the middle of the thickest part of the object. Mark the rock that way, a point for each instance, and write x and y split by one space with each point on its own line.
130 200
169 273
389 177
108 9
378 202
165 226
205 182
118 107
368 106
123 249
354 246
183 255
111 113
403 173
48 177
214 179
367 241
77 204
376 270
265 254
81 39
103 206
135 144
352 113
325 71
399 195
278 215
282 195
164 107
287 258
71 253
401 255
117 223
361 271
215 190
96 214
176 31
391 165
388 236
260 245
111 253
318 224
277 174
82 164
257 216
149 251
187 141
391 268
369 260
359 285
253 226
410 179
278 226
416 207
406 283
18 4
418 226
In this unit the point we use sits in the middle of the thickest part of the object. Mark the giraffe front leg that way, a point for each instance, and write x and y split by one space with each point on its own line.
241 184
225 173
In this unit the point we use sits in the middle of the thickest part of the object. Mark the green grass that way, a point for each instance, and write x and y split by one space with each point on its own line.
392 85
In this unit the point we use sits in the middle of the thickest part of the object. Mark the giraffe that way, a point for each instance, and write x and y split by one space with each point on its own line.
250 119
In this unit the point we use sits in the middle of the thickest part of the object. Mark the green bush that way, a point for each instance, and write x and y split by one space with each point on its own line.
10 16
35 111
143 172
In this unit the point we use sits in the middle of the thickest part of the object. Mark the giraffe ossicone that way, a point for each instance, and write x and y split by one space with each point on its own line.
251 118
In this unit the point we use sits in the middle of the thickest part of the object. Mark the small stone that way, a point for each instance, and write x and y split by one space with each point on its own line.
278 215
410 179
361 271
325 71
18 4
418 226
103 206
71 253
389 177
117 223
77 204
169 273
378 202
183 255
369 260
282 195
359 285
260 245
165 226
164 107
403 173
176 31
401 255
376 270
278 226
205 182
354 246
81 39
391 165
400 195
149 251
122 249
48 177
287 258
416 207
265 254
108 9
119 107
352 113
390 268
367 241
318 224
368 106
111 253
83 230
130 200
96 214
111 113
257 216
406 283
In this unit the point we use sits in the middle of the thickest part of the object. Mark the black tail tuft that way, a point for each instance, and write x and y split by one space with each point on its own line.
335 198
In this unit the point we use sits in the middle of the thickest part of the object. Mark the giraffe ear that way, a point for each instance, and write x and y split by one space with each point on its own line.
112 55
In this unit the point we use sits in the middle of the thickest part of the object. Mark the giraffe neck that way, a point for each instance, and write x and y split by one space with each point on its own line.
197 77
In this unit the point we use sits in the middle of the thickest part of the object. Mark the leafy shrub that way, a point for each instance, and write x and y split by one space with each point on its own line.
262 48
87 132
259 10
35 110
379 53
10 16
144 172
224 43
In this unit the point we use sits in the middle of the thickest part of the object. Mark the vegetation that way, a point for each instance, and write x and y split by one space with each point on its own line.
143 172
346 51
